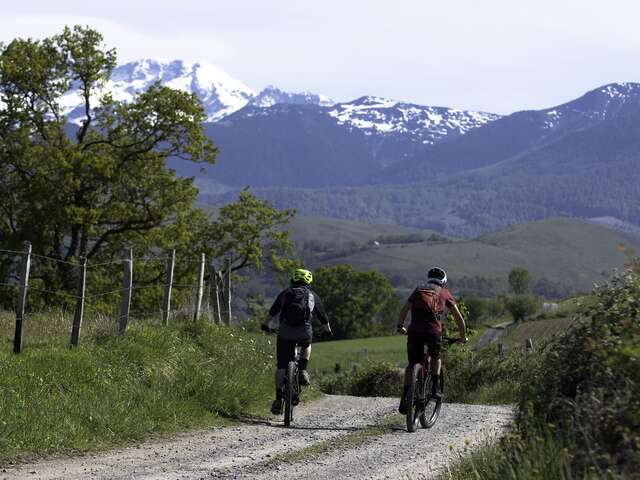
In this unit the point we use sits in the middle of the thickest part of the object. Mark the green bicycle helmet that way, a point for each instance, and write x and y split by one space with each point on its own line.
300 275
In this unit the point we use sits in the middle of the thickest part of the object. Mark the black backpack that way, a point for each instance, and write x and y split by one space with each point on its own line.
296 310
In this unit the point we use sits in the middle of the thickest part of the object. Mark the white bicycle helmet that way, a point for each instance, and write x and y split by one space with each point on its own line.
437 275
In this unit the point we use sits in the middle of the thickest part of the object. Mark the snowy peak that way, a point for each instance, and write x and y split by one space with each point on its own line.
271 96
427 125
597 105
219 92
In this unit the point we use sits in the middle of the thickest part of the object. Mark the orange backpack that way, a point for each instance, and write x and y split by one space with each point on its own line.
431 299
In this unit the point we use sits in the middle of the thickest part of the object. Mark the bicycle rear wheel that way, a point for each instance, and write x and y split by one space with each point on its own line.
413 395
432 406
290 391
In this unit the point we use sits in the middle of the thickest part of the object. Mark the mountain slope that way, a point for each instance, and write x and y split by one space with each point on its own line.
312 146
519 133
580 159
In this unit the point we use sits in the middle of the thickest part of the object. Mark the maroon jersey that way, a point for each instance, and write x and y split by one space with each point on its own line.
423 318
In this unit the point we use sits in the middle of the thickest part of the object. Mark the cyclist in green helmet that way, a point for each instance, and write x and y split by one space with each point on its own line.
293 308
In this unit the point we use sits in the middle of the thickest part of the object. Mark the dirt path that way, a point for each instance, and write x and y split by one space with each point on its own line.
248 451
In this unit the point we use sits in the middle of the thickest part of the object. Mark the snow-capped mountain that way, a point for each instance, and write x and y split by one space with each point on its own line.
219 92
594 106
271 96
428 125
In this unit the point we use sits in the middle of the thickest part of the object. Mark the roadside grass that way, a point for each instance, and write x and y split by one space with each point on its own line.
541 456
116 390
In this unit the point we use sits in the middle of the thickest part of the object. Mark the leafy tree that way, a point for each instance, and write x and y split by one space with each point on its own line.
522 306
359 304
85 190
250 232
519 280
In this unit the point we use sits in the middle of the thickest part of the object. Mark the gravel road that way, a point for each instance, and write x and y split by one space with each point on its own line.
248 450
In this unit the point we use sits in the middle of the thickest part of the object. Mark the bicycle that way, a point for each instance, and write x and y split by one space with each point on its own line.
423 407
292 390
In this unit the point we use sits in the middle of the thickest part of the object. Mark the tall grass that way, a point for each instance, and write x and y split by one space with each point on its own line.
120 389
542 456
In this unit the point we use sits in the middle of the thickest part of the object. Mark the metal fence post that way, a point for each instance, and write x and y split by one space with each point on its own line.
166 301
127 285
79 313
200 288
22 298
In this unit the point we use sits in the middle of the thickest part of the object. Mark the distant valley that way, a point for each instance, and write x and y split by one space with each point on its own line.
461 173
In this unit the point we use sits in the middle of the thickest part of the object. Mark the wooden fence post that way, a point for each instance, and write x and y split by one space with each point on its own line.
79 313
228 289
215 293
200 288
529 345
501 349
22 298
166 301
127 285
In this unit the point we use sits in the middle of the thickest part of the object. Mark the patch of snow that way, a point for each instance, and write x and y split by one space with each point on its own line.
376 115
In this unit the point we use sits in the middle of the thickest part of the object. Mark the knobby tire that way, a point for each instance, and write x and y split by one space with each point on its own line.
432 407
290 383
412 395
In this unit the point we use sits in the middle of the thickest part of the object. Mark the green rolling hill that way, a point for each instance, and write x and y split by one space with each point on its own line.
564 255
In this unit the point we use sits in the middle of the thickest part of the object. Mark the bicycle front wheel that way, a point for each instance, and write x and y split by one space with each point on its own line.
290 391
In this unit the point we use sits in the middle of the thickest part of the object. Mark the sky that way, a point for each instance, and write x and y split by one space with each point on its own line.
493 55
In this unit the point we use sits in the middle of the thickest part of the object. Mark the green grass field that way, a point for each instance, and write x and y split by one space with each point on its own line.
335 231
348 352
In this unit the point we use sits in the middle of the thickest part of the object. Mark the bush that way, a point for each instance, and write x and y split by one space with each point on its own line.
485 377
522 306
374 379
359 304
589 382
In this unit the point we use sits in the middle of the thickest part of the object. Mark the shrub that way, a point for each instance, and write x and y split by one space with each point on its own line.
589 382
522 306
374 379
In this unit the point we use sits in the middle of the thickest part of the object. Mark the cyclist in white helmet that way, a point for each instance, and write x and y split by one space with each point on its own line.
428 305
294 307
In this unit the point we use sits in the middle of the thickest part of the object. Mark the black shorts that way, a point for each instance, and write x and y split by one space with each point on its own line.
286 350
416 343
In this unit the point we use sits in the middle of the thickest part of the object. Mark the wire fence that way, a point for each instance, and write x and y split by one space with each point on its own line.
108 295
